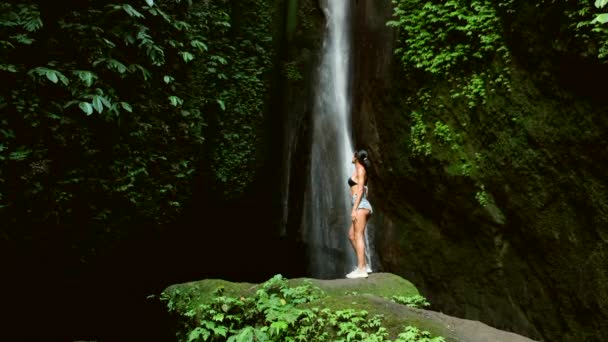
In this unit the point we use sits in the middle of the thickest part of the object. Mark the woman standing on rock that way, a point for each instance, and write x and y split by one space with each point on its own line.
360 213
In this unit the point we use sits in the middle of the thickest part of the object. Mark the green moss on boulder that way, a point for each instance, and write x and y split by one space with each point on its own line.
330 300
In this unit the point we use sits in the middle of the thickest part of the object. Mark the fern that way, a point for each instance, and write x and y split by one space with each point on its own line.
273 313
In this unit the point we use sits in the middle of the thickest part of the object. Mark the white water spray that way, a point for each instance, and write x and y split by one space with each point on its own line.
327 203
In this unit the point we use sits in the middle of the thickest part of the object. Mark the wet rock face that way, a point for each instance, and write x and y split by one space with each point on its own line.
540 267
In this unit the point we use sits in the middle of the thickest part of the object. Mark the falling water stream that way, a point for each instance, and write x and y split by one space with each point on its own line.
327 205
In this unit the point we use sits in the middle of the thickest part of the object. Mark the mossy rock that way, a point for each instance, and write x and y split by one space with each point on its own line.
371 295
379 284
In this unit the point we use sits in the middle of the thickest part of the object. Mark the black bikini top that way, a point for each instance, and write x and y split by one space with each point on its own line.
351 182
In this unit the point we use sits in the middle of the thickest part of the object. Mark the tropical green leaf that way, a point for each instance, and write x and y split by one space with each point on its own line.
97 105
602 18
52 75
168 79
187 56
126 106
150 2
116 65
5 43
199 45
109 43
165 16
86 107
221 103
175 101
22 39
600 3
245 335
132 11
63 79
86 77
19 155
106 102
53 116
181 25
33 24
222 331
111 64
8 67
198 333
144 72
219 59
260 336
277 327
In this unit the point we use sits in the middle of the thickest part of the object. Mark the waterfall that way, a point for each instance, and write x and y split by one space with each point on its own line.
327 205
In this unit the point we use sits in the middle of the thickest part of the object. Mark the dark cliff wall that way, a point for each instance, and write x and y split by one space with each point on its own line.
536 262
300 57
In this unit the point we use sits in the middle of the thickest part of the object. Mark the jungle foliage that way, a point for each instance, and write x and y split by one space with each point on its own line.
457 57
110 107
279 312
460 44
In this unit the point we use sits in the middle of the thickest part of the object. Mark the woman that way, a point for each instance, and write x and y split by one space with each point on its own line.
360 213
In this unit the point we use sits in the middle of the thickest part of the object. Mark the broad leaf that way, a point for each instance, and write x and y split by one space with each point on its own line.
19 155
97 105
219 59
144 72
109 43
8 67
602 18
105 101
175 101
222 331
600 3
86 107
150 2
33 24
118 66
197 333
63 79
187 56
52 76
126 106
168 79
86 77
131 11
199 45
23 39
221 103
260 335
245 335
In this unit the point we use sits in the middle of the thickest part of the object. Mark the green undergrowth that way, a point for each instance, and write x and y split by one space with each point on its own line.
296 310
459 45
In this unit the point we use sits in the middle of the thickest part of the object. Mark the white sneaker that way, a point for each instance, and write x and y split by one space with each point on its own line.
368 268
357 273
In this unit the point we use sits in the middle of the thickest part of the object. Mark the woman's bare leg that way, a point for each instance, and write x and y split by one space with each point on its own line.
359 232
351 237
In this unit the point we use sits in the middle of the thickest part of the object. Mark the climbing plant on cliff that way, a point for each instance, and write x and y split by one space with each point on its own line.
589 25
459 45
241 88
446 38
602 17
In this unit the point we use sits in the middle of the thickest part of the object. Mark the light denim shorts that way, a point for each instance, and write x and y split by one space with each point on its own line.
364 204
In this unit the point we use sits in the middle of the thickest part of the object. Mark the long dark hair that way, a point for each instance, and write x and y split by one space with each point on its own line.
363 158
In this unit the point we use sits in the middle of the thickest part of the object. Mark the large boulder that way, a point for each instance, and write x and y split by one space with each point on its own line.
372 296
